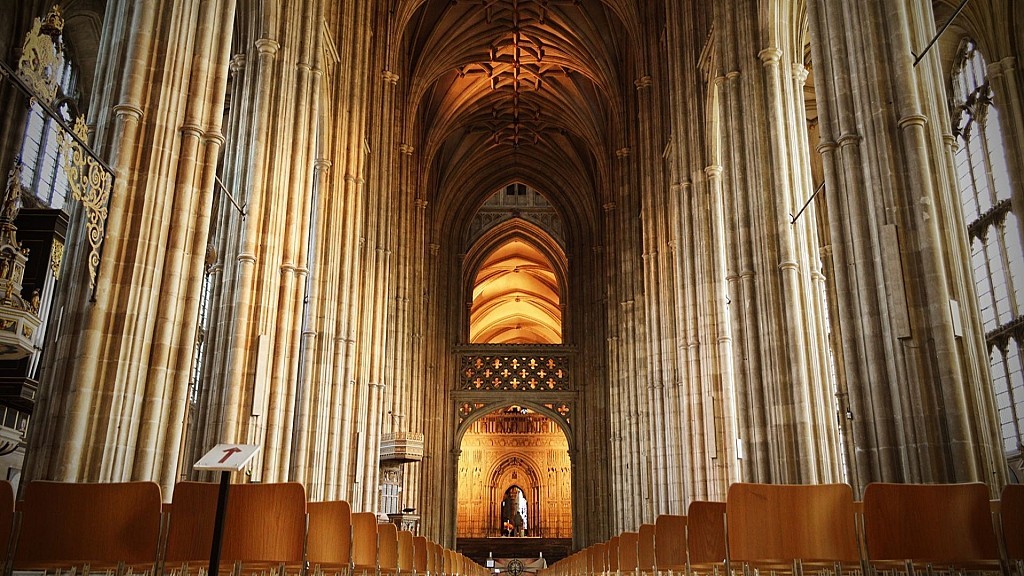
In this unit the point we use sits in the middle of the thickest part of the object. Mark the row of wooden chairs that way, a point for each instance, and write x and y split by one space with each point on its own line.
790 529
123 528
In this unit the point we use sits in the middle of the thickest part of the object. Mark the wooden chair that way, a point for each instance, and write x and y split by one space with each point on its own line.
420 555
946 526
435 560
264 526
66 525
645 548
329 537
1011 521
387 548
612 551
599 558
448 562
628 543
780 526
364 543
406 552
705 537
670 543
579 567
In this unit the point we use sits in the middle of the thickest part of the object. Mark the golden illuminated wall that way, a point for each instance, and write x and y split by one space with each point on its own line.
511 448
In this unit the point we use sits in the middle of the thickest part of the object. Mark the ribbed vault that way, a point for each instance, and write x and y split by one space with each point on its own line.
517 89
515 298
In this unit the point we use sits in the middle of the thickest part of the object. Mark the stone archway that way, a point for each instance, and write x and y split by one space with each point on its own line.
511 445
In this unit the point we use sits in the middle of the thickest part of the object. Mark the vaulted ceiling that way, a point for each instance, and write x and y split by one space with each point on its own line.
516 298
518 89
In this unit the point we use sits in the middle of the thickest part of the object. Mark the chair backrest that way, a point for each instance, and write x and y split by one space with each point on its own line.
941 523
449 561
262 523
406 551
101 524
6 518
364 540
645 547
670 542
420 554
591 563
705 532
613 553
628 542
1011 514
329 539
387 547
785 522
600 559
435 560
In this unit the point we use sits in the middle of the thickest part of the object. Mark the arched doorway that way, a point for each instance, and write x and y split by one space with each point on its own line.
515 513
514 461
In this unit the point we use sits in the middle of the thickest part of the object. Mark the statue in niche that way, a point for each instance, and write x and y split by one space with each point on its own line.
513 513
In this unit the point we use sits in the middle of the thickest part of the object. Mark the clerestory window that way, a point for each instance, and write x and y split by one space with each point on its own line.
996 257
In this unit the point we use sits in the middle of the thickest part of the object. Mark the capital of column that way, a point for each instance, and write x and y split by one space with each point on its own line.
434 249
194 130
849 139
390 77
912 120
800 72
789 265
713 171
267 46
322 165
126 111
214 137
406 149
622 153
420 203
644 81
770 56
827 146
237 62
608 207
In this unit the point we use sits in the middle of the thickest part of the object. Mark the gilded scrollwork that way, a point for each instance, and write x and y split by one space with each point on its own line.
41 56
90 184
56 258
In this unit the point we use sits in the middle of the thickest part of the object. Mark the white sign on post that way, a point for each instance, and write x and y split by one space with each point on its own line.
227 457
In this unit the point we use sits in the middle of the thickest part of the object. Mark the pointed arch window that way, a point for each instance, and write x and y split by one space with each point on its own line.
42 163
997 260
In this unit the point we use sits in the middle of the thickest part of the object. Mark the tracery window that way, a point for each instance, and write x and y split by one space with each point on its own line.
997 260
42 164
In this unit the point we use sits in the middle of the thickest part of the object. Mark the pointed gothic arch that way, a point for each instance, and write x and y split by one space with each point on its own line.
551 303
